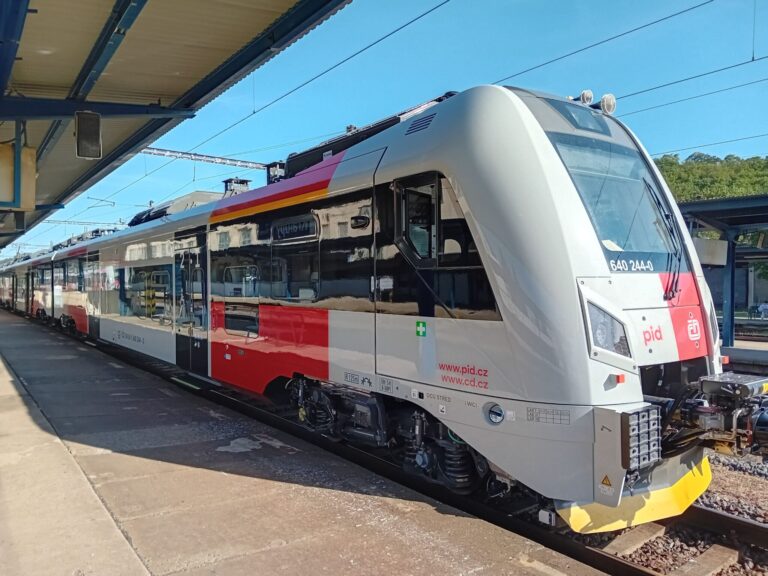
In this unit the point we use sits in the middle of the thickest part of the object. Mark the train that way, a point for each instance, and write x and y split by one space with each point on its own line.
495 287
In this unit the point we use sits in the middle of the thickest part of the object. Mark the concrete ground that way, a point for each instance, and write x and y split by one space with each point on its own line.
751 344
108 470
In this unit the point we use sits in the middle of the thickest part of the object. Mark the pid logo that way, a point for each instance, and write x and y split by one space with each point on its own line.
652 334
694 330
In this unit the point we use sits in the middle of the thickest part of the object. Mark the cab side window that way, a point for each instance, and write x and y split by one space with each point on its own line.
416 230
434 267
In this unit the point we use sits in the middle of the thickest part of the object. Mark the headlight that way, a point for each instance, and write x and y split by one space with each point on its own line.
607 332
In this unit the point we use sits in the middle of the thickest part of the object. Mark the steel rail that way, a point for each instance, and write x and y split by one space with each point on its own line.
747 531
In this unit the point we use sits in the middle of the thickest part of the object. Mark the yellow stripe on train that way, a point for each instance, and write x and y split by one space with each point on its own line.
268 206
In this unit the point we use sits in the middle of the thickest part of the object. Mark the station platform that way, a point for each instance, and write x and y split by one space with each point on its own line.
749 356
108 470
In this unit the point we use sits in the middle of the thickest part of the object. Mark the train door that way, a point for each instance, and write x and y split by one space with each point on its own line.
57 290
27 291
33 284
428 274
92 280
191 304
406 249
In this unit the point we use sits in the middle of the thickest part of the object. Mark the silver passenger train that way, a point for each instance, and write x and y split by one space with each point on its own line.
497 286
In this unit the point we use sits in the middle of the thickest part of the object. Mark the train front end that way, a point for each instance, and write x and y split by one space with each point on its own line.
612 352
650 324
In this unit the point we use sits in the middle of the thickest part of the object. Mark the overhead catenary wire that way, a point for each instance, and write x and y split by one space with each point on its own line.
688 78
219 175
274 146
100 202
694 97
281 97
324 72
603 41
707 145
239 172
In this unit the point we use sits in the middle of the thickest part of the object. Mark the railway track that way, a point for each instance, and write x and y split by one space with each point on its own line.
613 557
702 542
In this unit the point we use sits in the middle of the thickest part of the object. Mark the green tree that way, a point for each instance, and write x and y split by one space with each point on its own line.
703 176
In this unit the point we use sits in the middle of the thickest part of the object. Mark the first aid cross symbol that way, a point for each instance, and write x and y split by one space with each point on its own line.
421 328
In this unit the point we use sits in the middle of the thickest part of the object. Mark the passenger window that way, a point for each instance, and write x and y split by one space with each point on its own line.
70 275
295 273
158 297
346 261
136 295
58 274
242 281
146 294
240 274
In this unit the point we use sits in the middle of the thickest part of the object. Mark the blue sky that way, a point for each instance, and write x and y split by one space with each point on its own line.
461 44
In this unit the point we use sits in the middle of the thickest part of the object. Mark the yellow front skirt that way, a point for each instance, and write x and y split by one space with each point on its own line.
639 507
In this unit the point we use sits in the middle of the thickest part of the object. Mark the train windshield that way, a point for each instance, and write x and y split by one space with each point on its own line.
624 203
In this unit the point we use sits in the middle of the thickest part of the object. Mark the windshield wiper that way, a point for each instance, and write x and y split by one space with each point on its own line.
671 289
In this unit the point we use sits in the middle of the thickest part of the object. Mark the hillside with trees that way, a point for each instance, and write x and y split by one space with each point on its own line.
702 176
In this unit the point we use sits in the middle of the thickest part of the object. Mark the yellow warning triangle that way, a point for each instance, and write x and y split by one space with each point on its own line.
606 481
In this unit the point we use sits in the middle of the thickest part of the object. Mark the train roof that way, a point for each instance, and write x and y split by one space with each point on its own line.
306 171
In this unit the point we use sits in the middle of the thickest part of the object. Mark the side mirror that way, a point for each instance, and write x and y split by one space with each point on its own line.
359 222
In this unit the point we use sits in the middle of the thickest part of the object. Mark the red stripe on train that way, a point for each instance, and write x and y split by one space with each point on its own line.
290 340
78 314
314 178
687 318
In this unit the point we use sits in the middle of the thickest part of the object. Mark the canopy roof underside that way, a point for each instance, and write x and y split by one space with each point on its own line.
172 54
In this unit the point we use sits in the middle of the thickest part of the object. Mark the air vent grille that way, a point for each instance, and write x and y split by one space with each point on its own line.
420 124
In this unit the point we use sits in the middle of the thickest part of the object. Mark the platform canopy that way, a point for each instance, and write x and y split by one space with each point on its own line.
737 215
732 217
144 65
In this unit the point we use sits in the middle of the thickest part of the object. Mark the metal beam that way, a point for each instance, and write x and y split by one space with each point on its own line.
729 292
204 158
82 223
13 14
18 129
711 222
16 108
122 17
725 206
